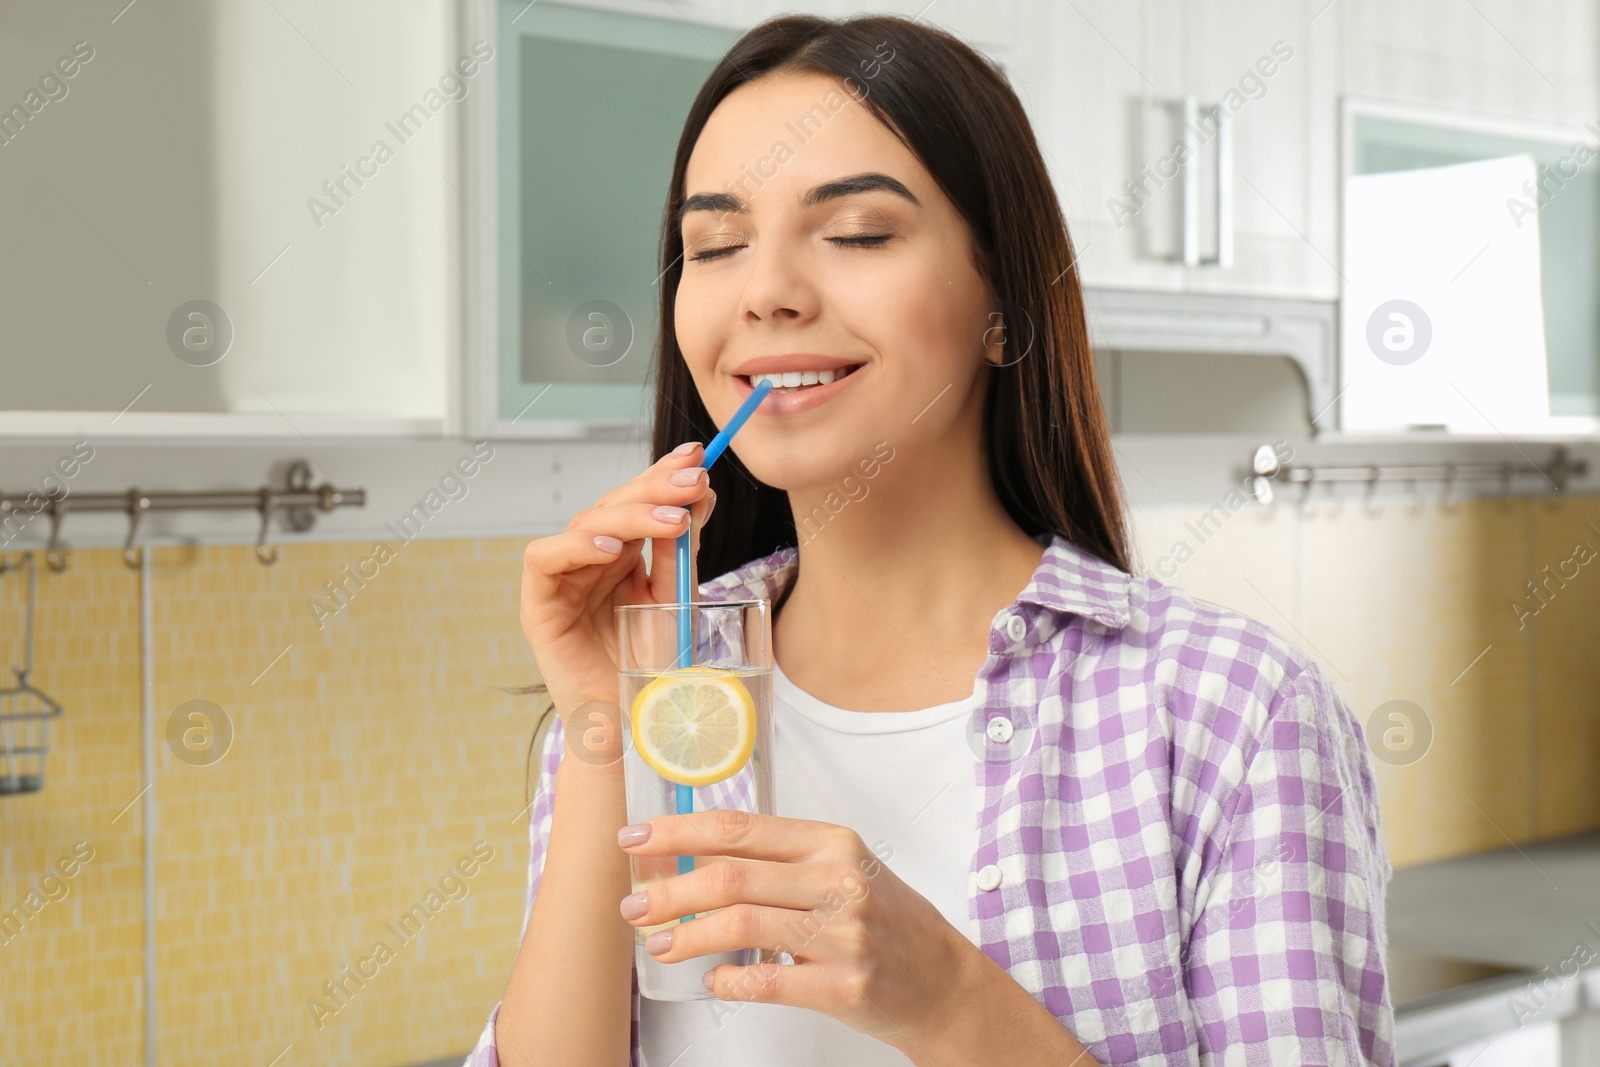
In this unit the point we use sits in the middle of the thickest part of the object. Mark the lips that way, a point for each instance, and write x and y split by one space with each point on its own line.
802 399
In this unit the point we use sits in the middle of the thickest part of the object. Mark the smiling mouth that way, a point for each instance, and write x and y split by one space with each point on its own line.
816 378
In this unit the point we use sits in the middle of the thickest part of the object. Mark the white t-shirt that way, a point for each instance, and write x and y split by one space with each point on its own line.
904 781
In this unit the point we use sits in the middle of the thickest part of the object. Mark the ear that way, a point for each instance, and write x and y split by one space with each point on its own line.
994 339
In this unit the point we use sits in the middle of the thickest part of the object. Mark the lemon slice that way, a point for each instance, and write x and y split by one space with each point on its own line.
695 725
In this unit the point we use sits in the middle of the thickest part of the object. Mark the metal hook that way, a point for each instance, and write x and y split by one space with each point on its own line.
1419 501
1335 499
56 557
1560 470
1371 494
137 504
1444 501
265 553
1505 488
1305 494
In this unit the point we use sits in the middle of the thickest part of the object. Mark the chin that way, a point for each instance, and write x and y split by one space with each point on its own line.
798 464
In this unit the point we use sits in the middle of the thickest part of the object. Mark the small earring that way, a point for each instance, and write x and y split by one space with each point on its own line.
1001 361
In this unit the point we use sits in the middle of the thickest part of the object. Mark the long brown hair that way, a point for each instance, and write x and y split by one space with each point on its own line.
1049 450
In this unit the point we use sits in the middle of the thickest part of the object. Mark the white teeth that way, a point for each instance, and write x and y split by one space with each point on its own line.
792 380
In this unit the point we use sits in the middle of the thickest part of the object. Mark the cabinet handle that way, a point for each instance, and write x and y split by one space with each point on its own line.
1224 256
1190 110
1190 255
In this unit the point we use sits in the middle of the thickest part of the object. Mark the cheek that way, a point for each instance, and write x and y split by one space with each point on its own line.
699 320
920 326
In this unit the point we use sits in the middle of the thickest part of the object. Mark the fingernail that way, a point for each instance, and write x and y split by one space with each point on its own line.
711 495
636 834
685 448
668 514
607 543
658 942
709 978
687 476
635 905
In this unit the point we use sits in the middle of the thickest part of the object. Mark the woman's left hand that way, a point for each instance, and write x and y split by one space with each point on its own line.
869 950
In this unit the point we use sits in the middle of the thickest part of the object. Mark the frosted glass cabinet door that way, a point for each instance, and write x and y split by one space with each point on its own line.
1387 138
589 110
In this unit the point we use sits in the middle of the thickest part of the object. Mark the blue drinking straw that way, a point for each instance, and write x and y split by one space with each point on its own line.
717 446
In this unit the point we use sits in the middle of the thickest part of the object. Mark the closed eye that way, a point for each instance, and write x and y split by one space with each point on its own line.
871 240
714 253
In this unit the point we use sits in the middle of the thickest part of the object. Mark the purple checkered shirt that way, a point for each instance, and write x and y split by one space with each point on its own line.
1184 821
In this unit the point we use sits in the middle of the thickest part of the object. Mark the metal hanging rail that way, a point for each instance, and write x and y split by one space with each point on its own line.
1557 474
299 503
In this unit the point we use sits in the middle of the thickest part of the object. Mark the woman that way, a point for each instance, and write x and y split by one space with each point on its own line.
1115 825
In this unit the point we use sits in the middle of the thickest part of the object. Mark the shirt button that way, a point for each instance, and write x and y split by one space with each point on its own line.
989 878
1000 729
1016 627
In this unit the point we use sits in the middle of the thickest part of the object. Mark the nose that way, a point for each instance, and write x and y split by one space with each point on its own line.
778 288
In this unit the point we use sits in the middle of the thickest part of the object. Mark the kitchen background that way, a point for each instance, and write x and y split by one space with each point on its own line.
214 281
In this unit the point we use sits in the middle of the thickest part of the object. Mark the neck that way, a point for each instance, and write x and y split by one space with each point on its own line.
910 571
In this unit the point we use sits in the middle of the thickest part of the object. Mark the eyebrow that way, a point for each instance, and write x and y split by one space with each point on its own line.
727 203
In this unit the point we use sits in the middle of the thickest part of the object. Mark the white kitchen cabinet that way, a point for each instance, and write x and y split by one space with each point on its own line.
1499 58
228 154
1279 69
1095 89
1101 98
1108 103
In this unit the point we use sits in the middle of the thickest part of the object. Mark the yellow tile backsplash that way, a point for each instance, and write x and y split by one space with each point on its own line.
372 763
313 896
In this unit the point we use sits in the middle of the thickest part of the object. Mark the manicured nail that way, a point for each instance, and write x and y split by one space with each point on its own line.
607 543
709 978
658 942
685 448
635 905
668 514
637 834
687 476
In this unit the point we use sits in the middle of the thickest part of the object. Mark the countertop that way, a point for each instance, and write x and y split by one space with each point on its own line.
1481 943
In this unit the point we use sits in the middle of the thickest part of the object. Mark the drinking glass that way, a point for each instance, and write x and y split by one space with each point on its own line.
696 688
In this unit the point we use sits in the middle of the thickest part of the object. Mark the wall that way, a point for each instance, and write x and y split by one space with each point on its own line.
373 754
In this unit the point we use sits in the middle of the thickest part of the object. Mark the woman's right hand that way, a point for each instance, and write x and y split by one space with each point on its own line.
572 580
